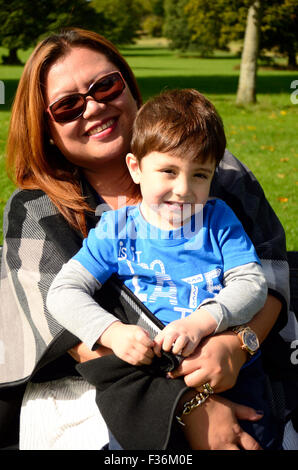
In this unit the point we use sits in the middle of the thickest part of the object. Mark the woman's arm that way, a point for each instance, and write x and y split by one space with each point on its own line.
150 401
37 241
219 358
238 187
81 353
214 426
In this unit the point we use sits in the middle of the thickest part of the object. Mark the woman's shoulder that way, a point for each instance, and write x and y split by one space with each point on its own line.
24 195
34 201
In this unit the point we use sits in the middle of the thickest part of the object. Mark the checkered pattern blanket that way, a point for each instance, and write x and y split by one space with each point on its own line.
37 241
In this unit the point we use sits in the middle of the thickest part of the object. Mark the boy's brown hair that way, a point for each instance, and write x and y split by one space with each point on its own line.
181 122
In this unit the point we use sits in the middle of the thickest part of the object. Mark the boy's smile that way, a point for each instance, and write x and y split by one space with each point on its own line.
173 188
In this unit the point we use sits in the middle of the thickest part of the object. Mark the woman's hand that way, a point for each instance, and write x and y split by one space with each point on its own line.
217 360
81 353
214 426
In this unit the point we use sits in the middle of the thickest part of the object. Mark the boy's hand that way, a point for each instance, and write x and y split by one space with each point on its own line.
183 336
178 337
129 342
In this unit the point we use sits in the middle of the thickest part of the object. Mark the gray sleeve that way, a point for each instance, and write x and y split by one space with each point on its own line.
243 295
71 303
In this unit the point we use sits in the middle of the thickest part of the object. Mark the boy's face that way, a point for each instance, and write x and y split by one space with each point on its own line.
171 187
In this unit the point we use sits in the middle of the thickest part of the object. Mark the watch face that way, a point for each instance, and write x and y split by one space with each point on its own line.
250 340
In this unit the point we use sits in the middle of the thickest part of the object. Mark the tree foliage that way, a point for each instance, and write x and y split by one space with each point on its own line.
153 19
176 27
279 28
24 23
207 26
123 17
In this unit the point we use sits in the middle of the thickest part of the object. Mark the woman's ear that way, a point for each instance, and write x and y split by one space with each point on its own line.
134 167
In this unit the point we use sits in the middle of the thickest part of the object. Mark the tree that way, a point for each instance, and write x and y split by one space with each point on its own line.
152 22
23 23
176 24
213 25
246 92
19 25
123 16
279 28
207 26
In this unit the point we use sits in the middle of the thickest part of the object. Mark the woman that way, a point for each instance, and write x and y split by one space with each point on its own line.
67 155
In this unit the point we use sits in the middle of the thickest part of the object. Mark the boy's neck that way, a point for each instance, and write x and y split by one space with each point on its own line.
163 223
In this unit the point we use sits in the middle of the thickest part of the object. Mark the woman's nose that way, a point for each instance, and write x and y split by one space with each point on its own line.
93 107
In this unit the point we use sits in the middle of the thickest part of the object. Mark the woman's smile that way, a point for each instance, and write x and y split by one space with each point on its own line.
98 129
103 132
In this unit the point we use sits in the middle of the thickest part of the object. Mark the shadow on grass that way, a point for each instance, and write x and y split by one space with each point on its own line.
214 84
10 87
209 84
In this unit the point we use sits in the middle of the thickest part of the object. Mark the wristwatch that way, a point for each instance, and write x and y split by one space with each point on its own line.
248 338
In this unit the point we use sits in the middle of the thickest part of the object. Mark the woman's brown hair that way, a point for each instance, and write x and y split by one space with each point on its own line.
32 162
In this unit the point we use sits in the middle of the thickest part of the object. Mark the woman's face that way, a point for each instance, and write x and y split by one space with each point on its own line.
103 132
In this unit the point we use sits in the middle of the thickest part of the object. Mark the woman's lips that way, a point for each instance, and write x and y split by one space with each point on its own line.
103 128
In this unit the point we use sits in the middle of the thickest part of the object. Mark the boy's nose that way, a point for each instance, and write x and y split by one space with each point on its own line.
182 187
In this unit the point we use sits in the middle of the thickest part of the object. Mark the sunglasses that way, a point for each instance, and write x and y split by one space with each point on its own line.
71 107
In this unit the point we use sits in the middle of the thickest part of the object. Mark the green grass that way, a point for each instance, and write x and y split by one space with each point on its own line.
263 136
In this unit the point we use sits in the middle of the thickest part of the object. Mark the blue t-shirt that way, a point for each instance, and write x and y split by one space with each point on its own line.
171 272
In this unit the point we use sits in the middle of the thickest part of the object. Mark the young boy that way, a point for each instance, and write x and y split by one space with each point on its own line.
186 257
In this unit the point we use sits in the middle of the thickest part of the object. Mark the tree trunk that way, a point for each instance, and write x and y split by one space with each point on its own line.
292 62
12 58
246 92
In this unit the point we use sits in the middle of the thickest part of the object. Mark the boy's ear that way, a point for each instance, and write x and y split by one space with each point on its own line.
134 167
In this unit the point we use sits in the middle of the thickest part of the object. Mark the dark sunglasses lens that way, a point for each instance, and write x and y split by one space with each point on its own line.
104 90
68 108
108 88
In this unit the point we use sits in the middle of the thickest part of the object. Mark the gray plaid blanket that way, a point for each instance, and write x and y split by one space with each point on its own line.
37 241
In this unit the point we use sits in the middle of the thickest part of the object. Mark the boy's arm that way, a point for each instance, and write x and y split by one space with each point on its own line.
71 303
243 295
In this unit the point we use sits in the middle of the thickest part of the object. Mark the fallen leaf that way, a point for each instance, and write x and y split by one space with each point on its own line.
283 199
267 147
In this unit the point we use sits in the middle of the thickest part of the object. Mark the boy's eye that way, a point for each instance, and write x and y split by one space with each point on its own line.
167 170
201 175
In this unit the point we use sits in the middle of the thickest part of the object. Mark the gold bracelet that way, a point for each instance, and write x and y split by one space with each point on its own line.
189 406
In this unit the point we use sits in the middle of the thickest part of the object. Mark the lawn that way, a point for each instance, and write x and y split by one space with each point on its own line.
263 136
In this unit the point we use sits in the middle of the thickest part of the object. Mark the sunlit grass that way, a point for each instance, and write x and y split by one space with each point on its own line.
263 136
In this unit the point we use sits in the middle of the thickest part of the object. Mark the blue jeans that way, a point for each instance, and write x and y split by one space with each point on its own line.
113 444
